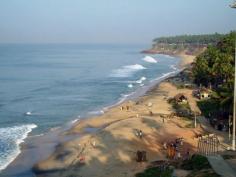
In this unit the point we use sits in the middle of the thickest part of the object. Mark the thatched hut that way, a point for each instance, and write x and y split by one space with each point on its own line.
181 98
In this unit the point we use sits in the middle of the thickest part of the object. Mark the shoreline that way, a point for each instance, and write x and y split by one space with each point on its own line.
184 62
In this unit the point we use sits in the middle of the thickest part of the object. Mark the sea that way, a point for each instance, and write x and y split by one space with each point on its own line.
45 86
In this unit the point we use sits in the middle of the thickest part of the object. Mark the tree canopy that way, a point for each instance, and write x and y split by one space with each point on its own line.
215 67
190 39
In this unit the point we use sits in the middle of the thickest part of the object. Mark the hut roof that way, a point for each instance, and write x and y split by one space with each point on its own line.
205 90
180 97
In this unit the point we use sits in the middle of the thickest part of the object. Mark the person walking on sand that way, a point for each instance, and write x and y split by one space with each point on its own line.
178 155
165 145
140 134
168 151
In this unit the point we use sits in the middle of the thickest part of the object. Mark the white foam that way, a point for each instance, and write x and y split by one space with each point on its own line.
96 112
173 67
164 75
124 97
28 113
11 138
74 121
141 80
130 85
149 59
127 71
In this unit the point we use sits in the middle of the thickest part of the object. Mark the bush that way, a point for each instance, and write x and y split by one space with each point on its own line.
208 107
155 171
204 173
197 162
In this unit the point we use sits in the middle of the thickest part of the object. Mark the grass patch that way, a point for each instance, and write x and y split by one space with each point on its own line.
155 172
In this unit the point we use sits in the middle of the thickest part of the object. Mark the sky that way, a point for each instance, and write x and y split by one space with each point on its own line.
110 21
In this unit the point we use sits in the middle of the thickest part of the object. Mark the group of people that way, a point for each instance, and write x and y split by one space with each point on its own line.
139 133
124 107
173 148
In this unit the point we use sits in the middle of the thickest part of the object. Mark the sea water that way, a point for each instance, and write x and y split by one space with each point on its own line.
44 86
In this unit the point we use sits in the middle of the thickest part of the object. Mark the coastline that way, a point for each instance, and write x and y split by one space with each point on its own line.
87 127
106 132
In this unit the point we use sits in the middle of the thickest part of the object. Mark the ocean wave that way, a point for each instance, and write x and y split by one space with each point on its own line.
173 67
127 71
99 112
74 121
149 59
141 80
164 75
11 138
130 85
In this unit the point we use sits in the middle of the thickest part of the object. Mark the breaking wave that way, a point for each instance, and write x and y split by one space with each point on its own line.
11 138
127 71
149 59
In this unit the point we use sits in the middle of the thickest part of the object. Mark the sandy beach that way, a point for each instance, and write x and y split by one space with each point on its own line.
111 147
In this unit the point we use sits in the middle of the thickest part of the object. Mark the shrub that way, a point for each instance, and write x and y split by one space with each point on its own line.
197 162
155 171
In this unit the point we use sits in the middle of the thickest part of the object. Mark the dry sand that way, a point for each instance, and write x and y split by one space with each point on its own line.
110 151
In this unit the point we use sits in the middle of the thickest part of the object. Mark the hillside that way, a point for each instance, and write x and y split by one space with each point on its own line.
184 44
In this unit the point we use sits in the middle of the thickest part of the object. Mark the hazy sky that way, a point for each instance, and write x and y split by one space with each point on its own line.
110 21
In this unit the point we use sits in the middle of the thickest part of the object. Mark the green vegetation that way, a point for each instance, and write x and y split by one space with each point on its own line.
199 166
182 109
214 68
208 107
204 173
204 39
197 162
189 44
155 171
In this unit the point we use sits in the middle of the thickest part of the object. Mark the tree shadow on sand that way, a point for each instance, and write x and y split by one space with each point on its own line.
115 155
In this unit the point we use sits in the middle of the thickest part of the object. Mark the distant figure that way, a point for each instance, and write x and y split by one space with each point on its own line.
140 134
93 144
165 145
82 159
187 155
178 155
127 107
141 156
137 115
150 113
144 156
173 152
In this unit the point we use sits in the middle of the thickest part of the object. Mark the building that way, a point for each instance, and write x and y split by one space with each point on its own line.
181 98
